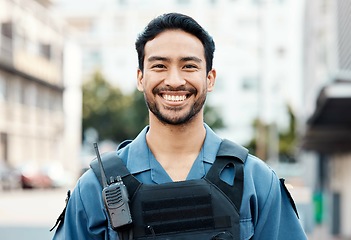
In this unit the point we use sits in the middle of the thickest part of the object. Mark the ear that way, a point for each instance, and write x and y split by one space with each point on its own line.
211 80
140 80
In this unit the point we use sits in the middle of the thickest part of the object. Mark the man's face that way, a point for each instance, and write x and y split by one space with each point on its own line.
174 81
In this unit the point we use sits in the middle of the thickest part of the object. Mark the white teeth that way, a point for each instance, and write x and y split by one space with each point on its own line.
174 98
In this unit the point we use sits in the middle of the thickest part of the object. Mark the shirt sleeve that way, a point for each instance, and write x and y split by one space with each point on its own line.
278 219
85 216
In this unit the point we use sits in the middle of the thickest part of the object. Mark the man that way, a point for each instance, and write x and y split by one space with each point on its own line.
175 74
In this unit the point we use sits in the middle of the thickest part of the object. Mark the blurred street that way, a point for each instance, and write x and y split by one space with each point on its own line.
29 214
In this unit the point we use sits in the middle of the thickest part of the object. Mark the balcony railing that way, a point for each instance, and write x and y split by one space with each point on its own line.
35 65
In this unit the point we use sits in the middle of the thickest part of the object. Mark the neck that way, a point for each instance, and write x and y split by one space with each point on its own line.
176 147
176 138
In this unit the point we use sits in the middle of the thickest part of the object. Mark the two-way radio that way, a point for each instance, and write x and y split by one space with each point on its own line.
115 196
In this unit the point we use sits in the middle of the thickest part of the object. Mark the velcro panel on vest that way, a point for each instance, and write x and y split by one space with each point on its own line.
185 209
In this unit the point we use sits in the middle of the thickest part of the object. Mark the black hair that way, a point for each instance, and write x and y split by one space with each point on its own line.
173 21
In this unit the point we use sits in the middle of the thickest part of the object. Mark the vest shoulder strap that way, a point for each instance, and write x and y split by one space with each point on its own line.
232 155
113 166
231 149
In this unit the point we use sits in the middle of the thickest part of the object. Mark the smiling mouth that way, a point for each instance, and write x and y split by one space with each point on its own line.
174 98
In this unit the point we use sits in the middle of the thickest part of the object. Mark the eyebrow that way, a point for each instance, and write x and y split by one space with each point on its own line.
183 59
195 59
158 58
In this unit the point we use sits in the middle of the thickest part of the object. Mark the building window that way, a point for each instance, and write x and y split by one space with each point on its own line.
45 50
41 98
6 30
122 2
249 83
14 90
3 89
55 101
183 2
3 147
30 93
281 52
6 41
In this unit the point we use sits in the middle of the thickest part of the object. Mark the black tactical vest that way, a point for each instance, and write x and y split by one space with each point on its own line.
207 208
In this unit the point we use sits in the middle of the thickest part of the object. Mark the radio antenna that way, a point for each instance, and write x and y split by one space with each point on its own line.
102 172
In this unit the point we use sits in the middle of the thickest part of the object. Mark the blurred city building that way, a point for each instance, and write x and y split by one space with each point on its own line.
326 137
258 51
39 79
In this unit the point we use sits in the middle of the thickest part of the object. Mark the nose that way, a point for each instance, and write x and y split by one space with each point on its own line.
174 78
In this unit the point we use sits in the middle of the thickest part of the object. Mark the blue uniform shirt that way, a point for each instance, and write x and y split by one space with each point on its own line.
266 212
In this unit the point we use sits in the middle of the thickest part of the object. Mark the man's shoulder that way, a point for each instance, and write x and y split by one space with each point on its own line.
123 150
88 182
257 169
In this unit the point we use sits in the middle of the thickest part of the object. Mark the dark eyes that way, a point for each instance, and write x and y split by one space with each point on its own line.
158 66
190 66
187 66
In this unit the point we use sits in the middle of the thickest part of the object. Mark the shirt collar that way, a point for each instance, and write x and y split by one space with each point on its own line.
211 145
138 153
